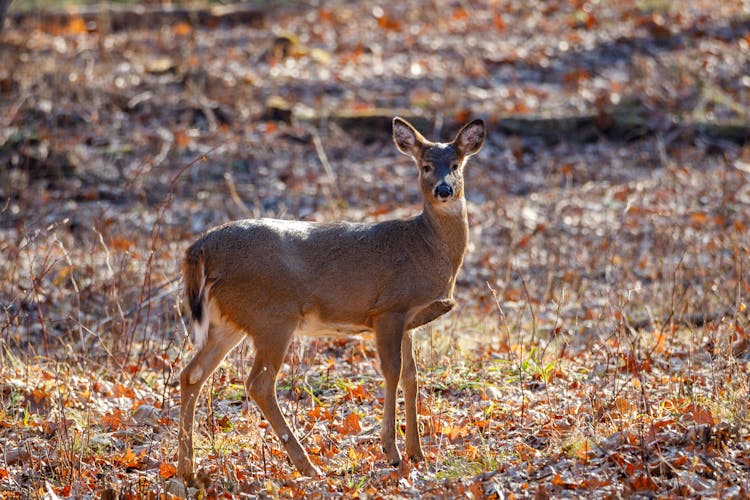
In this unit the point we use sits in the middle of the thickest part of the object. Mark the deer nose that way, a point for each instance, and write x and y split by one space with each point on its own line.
443 191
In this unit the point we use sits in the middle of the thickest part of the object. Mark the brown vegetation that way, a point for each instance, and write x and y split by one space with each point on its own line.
600 346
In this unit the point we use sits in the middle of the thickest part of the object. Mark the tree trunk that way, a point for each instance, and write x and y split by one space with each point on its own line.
4 4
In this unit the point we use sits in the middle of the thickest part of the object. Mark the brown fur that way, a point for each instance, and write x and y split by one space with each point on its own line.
192 269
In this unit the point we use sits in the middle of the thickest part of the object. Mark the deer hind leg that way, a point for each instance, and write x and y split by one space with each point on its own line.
409 385
431 312
220 341
261 385
389 330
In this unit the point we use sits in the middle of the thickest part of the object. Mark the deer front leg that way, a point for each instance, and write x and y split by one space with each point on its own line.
261 384
389 330
409 384
192 379
431 312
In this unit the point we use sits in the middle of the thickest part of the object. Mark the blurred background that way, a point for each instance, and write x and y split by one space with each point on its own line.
608 209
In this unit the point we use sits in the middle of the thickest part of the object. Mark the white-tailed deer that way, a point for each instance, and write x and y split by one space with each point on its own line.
268 279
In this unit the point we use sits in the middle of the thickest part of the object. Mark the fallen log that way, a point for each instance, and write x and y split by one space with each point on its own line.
108 18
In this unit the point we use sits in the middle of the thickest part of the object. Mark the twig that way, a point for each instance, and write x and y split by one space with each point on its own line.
166 146
74 283
229 178
155 231
531 308
152 298
12 112
694 320
332 179
120 365
502 315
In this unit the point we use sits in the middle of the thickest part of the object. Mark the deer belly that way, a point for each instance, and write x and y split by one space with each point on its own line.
312 326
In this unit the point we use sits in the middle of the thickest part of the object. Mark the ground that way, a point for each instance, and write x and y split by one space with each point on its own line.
600 347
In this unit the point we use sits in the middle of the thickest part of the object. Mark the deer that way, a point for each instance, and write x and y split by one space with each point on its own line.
271 279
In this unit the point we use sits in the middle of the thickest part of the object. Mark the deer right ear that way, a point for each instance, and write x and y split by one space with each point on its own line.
406 137
470 138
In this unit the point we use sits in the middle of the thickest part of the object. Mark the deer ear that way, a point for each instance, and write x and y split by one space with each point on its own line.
470 138
406 137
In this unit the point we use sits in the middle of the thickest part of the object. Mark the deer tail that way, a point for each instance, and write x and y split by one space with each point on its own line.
194 274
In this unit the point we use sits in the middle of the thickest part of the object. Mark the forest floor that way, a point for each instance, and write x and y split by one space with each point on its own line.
601 345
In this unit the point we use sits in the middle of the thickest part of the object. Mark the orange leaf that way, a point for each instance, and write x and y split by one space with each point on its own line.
499 22
454 431
576 76
359 393
661 341
641 483
699 414
524 451
477 489
39 394
319 413
271 127
388 23
121 243
128 458
513 294
77 26
594 482
181 139
679 461
122 391
326 15
350 425
183 29
590 21
460 14
623 405
165 421
114 420
698 219
167 470
462 115
486 423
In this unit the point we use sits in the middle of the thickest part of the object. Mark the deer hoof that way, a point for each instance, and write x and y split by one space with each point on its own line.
393 458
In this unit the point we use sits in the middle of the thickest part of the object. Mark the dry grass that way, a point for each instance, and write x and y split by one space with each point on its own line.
601 345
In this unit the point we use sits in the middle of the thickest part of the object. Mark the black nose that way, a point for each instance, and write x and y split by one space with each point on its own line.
443 191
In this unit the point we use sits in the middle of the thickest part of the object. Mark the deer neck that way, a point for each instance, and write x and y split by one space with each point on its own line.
450 229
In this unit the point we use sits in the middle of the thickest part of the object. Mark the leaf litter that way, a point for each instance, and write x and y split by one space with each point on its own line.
601 344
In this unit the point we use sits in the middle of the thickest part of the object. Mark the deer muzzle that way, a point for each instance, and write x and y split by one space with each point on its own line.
443 191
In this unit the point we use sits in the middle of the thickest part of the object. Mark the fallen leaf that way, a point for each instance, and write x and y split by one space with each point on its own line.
350 425
167 470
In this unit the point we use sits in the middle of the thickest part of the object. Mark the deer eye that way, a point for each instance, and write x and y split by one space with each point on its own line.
426 168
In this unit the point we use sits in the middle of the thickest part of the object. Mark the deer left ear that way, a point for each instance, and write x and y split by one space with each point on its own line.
470 138
407 139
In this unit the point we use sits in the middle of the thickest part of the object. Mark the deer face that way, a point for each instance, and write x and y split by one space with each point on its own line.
440 164
441 173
